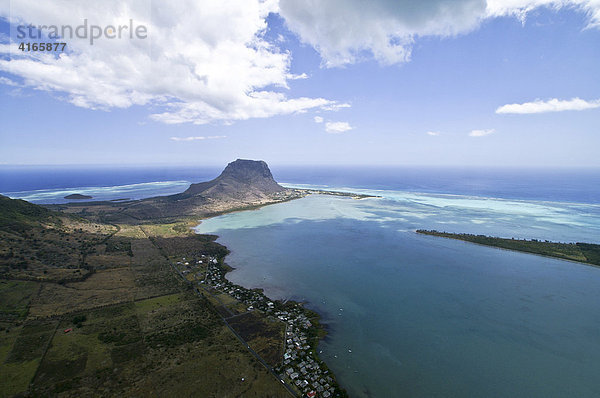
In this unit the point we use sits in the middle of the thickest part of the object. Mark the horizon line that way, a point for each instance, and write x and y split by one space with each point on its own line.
299 165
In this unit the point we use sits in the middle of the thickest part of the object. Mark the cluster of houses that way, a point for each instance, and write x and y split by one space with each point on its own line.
300 365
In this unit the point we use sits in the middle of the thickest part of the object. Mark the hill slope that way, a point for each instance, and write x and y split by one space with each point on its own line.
19 215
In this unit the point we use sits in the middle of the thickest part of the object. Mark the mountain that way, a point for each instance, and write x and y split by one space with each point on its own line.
244 180
243 184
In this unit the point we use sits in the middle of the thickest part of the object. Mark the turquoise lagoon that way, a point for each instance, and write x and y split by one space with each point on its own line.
426 316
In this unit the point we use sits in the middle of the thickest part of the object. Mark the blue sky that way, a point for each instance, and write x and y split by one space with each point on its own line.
362 102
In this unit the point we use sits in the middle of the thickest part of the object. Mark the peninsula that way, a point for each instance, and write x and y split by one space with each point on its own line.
586 253
125 299
243 185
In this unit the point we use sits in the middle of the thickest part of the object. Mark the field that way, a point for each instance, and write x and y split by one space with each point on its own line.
168 345
93 309
102 288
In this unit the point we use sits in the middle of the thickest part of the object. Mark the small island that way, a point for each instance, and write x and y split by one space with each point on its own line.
587 253
78 196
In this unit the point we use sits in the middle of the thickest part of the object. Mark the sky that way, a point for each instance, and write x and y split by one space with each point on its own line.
473 83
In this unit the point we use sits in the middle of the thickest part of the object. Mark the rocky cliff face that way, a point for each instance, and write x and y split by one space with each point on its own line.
241 180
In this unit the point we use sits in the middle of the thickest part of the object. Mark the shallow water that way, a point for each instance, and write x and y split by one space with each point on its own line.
115 192
425 316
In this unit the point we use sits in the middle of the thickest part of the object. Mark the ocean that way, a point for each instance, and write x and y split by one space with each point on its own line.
49 184
411 315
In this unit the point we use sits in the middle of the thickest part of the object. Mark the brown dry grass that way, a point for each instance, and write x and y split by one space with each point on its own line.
102 288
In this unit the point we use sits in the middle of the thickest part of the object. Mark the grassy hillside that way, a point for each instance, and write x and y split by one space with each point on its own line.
18 215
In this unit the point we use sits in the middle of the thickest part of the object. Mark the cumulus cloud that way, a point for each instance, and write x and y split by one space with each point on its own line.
318 119
348 31
552 105
211 61
201 62
481 133
201 138
433 133
337 127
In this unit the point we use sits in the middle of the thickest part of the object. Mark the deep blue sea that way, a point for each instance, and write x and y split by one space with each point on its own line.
46 184
410 315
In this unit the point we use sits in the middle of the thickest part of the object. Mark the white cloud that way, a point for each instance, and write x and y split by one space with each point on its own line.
433 133
201 62
520 8
210 137
337 127
348 31
8 82
335 107
318 119
210 61
481 133
297 77
552 105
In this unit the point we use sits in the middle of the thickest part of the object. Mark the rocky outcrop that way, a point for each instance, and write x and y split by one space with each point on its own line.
242 180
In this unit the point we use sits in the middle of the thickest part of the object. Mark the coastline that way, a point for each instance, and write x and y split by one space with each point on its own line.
315 332
300 366
504 244
316 314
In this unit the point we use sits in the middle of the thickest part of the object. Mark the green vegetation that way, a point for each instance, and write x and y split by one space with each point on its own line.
264 336
15 297
53 248
88 308
32 341
181 228
117 244
19 215
78 196
78 320
15 377
156 303
191 245
582 252
23 351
